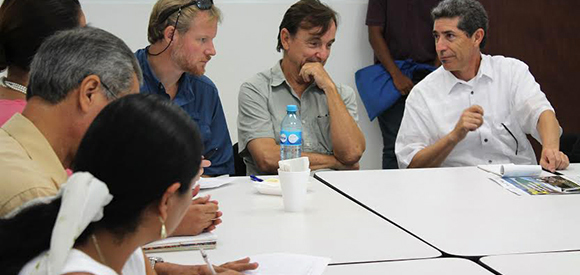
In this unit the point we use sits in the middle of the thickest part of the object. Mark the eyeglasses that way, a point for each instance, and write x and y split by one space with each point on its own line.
200 4
510 132
109 91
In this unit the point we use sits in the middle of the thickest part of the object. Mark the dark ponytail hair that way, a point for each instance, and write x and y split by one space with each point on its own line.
138 145
24 24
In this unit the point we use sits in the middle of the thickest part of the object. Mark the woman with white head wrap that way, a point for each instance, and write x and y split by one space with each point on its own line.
137 162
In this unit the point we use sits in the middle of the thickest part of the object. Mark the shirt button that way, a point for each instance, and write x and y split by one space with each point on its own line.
303 121
471 92
485 140
489 161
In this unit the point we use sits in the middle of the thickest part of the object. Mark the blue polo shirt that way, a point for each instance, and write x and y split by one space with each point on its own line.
198 96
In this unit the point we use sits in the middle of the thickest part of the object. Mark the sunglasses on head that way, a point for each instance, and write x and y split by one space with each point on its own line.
200 4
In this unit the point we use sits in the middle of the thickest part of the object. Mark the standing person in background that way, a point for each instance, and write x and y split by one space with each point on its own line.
332 138
24 24
181 34
400 30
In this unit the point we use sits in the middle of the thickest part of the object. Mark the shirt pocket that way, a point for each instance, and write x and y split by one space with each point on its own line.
322 134
509 133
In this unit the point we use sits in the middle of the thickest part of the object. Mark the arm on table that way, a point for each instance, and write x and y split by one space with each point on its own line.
235 267
202 214
266 154
549 129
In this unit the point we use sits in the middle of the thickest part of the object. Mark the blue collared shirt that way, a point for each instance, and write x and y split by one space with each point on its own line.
199 97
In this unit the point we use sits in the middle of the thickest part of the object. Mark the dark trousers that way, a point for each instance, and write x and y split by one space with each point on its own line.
390 121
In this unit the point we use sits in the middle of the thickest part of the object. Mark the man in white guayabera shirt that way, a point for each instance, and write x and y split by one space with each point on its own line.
476 108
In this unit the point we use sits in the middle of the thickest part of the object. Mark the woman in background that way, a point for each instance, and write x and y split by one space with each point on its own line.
134 188
24 24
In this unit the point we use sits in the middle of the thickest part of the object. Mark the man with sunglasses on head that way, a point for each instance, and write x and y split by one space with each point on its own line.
331 136
181 34
476 108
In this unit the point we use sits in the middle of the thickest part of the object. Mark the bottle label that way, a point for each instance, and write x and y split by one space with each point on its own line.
290 138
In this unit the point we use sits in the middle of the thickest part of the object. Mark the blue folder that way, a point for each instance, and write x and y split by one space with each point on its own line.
377 89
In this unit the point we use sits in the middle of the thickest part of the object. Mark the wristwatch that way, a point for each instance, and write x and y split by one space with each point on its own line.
155 260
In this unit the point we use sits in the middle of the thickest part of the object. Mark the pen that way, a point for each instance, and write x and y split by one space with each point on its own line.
254 178
555 172
206 260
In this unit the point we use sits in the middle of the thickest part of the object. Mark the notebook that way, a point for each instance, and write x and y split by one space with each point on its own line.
207 240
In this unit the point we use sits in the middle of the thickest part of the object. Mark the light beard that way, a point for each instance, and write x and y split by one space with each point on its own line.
182 60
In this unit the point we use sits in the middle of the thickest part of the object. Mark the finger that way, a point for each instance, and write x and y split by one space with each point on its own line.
473 120
200 200
557 160
476 109
241 266
565 162
210 208
473 115
544 163
214 202
305 73
242 261
195 190
471 126
550 160
205 163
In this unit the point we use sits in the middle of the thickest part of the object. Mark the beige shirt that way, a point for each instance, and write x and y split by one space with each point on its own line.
29 167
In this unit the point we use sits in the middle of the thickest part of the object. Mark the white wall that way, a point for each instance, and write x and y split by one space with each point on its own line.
246 44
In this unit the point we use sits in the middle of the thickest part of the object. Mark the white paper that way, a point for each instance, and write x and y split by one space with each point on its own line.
288 264
511 170
509 187
208 183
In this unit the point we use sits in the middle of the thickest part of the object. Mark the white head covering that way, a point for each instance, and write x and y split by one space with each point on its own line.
83 200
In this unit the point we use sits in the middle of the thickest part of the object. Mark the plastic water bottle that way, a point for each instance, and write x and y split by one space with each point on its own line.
291 134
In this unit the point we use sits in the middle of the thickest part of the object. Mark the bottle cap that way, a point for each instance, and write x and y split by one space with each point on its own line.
291 108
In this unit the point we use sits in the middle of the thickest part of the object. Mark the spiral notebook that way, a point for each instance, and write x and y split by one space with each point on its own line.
207 240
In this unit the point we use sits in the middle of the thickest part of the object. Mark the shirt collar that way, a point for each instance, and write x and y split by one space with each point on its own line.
278 78
485 70
149 77
183 96
36 146
277 74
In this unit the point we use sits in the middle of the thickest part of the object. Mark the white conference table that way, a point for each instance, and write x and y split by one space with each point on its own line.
331 226
414 267
462 212
560 263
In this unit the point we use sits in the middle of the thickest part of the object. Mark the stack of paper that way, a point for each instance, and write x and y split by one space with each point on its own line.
288 264
207 240
528 180
208 183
